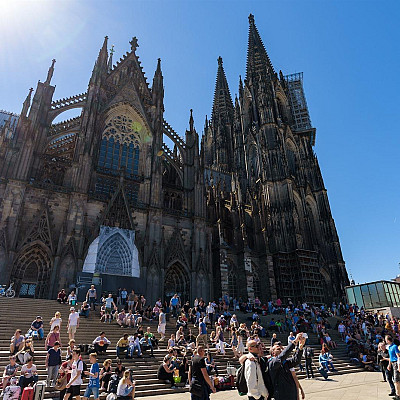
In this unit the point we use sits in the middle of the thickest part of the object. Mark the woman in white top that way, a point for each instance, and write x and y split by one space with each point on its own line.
55 321
125 386
72 299
179 333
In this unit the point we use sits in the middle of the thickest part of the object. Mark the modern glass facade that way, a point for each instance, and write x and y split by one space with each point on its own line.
375 294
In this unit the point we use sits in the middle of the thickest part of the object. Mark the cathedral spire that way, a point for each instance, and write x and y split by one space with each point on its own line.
258 61
51 72
101 64
222 105
191 121
26 104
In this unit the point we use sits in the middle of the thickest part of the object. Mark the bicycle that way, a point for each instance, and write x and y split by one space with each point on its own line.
10 292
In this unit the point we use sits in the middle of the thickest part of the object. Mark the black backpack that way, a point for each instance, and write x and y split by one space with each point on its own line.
113 384
84 368
241 384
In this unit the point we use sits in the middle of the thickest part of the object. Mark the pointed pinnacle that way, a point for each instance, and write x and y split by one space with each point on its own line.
191 120
51 71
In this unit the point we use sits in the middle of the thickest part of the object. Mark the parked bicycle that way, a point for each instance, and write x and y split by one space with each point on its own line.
10 292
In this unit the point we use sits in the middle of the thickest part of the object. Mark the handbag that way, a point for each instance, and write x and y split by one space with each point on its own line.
230 369
61 383
196 389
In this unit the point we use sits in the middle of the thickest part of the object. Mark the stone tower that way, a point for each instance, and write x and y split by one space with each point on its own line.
266 196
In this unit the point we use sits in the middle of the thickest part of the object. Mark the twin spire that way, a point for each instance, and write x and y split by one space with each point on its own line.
258 63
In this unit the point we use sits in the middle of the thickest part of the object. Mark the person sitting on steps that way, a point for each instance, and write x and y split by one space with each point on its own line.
101 343
17 342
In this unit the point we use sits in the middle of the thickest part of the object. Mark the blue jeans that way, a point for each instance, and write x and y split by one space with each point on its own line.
92 389
133 348
327 364
123 350
40 332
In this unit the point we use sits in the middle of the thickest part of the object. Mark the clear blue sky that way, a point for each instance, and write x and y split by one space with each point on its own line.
348 51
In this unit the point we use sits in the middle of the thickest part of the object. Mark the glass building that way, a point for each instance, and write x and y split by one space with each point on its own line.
374 295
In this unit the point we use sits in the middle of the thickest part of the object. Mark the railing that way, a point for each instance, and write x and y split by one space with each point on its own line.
79 98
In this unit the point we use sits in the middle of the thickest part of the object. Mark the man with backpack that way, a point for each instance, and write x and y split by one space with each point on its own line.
74 385
256 389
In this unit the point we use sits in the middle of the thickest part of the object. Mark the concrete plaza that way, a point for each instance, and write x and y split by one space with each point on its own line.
358 386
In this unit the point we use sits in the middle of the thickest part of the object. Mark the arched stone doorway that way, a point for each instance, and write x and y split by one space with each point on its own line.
177 281
31 272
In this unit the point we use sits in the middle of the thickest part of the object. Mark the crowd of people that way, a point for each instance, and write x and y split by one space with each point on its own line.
202 329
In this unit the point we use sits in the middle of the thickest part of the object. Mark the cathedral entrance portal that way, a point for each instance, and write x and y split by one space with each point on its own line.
31 272
177 281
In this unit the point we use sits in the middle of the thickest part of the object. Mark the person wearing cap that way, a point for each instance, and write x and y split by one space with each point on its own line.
37 326
10 371
53 362
73 323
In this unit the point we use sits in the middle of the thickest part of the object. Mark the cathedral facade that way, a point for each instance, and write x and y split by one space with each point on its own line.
101 198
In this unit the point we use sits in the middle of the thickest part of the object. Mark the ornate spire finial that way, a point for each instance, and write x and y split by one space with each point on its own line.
191 120
220 61
110 58
251 18
134 43
51 71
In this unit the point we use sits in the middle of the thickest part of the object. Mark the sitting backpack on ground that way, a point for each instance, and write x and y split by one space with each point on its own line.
113 384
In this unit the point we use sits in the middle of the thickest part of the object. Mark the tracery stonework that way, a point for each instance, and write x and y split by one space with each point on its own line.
240 212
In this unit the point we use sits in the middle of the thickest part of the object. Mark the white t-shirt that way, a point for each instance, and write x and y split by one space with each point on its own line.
77 368
210 309
28 372
73 319
56 322
341 328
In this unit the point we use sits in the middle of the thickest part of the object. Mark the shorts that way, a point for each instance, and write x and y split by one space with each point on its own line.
72 329
108 310
74 390
396 373
161 328
92 389
131 303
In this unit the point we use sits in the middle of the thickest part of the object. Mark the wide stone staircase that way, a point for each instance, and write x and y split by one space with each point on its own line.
19 313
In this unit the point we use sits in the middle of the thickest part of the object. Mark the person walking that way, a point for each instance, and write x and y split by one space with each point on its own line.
162 323
309 354
200 383
73 323
280 363
202 337
74 384
383 362
256 389
53 362
394 351
91 297
93 386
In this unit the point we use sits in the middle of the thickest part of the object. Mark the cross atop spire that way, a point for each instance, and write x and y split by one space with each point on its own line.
110 58
222 104
258 61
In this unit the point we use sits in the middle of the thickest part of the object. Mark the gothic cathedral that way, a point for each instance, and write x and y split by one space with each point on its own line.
101 198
